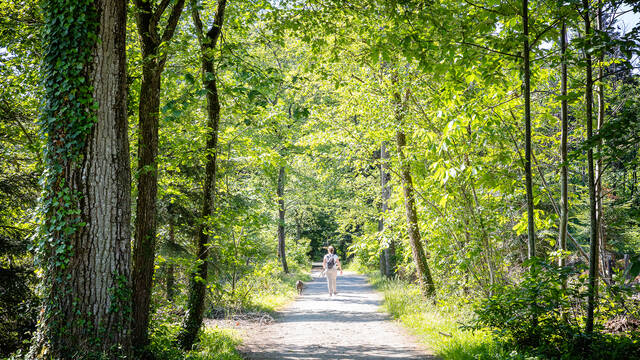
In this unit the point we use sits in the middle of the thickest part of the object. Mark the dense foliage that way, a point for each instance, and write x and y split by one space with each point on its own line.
310 92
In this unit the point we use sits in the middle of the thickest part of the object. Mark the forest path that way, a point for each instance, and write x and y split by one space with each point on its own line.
345 326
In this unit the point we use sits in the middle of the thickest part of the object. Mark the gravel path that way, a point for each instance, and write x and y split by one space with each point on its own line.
345 326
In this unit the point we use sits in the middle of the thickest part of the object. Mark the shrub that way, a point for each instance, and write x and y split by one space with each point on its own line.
542 316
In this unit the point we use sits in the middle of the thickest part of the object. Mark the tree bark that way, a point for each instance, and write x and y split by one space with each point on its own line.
602 241
383 254
527 125
281 214
153 61
171 279
425 281
86 307
564 113
593 248
298 227
391 258
387 255
197 280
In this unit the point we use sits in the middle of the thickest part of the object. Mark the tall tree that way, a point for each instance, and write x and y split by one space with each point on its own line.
564 112
588 97
604 269
153 41
85 238
197 280
427 287
281 213
527 125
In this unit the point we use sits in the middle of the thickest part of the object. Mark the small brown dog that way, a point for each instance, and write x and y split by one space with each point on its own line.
299 286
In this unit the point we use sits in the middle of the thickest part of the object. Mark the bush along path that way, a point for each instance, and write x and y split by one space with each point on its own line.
346 326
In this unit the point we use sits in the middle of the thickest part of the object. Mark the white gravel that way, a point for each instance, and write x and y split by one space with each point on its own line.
346 326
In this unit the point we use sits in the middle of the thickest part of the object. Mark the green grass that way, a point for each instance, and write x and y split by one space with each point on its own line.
438 326
280 292
214 344
217 343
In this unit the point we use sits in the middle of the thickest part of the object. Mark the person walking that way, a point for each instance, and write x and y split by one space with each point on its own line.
331 265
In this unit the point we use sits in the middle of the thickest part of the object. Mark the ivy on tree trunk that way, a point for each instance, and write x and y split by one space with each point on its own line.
84 242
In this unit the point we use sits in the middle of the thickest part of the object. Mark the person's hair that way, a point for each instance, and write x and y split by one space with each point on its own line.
331 249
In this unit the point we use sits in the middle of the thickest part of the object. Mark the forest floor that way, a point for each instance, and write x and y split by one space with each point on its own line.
346 326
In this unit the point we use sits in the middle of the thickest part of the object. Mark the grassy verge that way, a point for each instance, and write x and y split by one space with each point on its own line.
274 291
218 344
438 326
278 293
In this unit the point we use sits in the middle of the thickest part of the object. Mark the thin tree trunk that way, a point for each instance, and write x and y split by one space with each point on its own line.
598 171
153 61
635 181
383 253
527 124
87 186
197 280
564 113
298 227
391 258
478 219
281 214
385 261
427 287
593 249
390 251
171 279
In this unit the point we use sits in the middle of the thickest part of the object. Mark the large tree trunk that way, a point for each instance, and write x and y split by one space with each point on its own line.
197 280
425 281
593 248
85 247
527 125
153 61
281 212
564 113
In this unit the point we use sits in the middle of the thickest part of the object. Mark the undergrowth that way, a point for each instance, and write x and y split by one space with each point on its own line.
214 343
444 327
438 326
271 289
278 290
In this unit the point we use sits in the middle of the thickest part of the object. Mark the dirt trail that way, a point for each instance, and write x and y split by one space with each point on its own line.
345 326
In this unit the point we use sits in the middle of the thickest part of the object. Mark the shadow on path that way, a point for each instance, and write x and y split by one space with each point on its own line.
345 326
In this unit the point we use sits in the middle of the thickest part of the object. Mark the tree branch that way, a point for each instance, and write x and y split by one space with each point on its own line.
170 29
214 33
157 14
489 49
